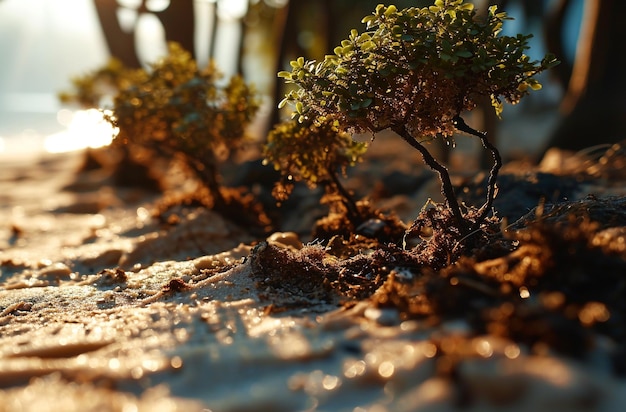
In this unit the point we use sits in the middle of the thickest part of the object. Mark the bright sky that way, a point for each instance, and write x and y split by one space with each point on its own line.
43 44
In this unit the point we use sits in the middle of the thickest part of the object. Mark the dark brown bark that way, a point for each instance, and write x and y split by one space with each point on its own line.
447 189
553 32
352 209
121 44
179 24
594 108
206 171
492 189
213 36
177 20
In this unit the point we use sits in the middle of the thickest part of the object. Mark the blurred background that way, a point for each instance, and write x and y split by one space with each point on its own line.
44 43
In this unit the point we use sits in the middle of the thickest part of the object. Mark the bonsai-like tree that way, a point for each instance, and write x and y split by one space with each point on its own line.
415 71
177 110
316 153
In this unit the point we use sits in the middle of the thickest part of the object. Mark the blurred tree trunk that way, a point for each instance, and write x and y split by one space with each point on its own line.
213 35
121 44
594 107
178 21
241 49
553 33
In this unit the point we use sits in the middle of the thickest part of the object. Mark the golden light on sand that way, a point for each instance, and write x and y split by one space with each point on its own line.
85 128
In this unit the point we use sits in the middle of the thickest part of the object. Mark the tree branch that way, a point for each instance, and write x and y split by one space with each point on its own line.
446 184
492 188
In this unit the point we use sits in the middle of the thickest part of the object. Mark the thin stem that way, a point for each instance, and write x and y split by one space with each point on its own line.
444 177
353 211
206 171
492 188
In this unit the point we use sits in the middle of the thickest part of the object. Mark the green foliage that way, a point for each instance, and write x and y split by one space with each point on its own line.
179 109
416 67
415 71
310 152
174 109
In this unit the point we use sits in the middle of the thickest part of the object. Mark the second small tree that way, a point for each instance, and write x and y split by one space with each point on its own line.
415 71
177 110
316 153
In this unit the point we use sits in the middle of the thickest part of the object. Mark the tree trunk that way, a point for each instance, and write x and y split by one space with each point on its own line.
206 170
177 19
121 44
553 32
594 108
179 24
447 189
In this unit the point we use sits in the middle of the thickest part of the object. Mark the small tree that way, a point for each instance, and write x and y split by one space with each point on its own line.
415 71
173 109
314 152
178 110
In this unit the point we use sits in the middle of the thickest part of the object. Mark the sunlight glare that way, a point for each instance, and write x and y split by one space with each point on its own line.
131 4
232 9
86 128
150 39
156 6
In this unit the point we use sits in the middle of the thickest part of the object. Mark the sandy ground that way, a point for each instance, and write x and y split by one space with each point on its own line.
103 308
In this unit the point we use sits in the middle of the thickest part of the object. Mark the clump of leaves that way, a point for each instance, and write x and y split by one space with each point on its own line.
180 111
316 153
415 71
174 110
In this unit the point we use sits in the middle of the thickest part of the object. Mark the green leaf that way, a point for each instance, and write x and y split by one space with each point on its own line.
368 19
368 45
390 10
464 53
284 74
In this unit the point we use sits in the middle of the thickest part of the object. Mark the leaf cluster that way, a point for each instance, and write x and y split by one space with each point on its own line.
174 109
312 152
178 108
417 67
